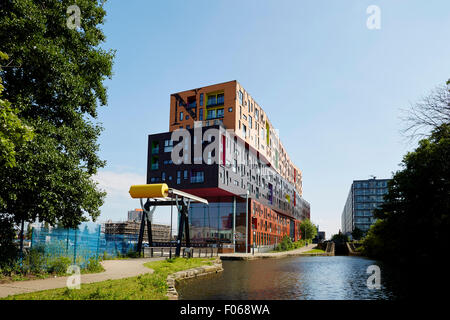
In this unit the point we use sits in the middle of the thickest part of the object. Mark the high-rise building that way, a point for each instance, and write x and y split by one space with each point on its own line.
135 215
364 196
221 146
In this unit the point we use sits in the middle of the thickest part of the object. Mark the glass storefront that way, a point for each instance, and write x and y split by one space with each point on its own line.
213 223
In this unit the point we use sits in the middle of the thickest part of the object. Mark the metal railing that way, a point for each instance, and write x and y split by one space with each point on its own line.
192 252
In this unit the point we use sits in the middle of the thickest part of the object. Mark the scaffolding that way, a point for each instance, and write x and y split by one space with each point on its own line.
160 232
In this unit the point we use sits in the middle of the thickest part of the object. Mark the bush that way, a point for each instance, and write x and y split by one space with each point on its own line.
93 265
59 265
35 261
287 244
133 254
8 250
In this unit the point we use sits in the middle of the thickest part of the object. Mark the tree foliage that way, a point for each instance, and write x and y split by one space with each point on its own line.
357 233
339 237
13 132
308 230
55 81
413 227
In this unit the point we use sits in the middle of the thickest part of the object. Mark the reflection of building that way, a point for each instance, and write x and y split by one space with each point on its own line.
135 215
229 148
364 196
160 232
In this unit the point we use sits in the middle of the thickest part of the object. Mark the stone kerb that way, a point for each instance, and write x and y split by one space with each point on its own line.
172 279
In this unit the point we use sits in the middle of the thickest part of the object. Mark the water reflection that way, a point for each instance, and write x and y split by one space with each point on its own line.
298 278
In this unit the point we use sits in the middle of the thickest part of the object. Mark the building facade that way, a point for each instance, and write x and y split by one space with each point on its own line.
135 215
160 232
221 146
364 196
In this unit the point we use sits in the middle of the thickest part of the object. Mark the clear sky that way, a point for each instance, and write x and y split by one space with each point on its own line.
333 87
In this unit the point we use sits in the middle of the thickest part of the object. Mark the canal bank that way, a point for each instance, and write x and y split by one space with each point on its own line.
269 255
175 278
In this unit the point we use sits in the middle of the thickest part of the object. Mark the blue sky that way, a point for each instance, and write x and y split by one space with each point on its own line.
333 88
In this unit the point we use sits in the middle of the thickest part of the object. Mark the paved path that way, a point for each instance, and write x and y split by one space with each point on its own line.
114 269
257 255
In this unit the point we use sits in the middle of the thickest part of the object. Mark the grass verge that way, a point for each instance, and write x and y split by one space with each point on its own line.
144 287
314 251
93 267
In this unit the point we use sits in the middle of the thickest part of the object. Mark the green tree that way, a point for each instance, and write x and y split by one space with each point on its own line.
413 227
357 233
8 250
339 237
13 132
308 230
29 233
55 81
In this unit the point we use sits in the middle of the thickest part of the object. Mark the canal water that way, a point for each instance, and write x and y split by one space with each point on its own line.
294 278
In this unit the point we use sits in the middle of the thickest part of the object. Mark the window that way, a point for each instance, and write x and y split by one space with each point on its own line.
185 174
154 163
178 177
201 113
168 145
220 113
250 121
163 176
181 115
188 127
201 99
212 100
244 130
197 177
187 117
211 114
220 98
241 97
230 109
155 147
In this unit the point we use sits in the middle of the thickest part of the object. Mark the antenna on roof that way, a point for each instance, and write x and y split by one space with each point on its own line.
373 177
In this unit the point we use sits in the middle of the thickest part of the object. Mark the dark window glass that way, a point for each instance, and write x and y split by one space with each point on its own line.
220 98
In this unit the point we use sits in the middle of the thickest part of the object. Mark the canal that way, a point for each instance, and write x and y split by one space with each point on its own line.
294 278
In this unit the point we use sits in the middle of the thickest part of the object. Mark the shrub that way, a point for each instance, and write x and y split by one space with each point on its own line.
59 265
133 254
93 265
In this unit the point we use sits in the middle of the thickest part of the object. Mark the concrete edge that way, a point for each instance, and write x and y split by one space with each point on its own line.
171 279
273 256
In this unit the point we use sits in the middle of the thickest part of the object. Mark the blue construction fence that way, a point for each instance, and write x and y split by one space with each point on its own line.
81 244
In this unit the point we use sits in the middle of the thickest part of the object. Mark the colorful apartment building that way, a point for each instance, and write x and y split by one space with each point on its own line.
221 146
